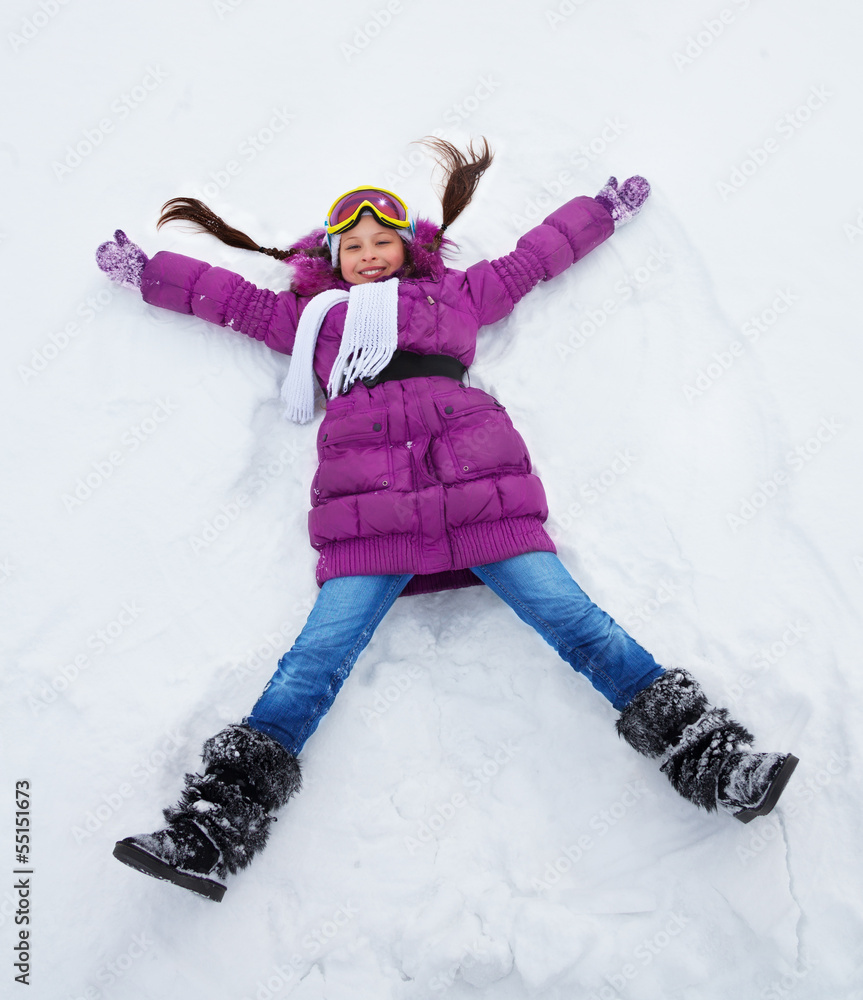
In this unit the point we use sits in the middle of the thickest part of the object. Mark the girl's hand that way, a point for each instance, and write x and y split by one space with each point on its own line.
625 202
122 261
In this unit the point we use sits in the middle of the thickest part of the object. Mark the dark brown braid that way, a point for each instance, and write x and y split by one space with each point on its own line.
278 254
462 177
204 218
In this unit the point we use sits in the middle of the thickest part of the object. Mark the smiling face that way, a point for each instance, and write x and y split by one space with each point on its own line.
370 251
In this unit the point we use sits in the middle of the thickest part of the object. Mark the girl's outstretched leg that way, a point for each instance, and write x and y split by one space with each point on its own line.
310 674
223 817
664 714
542 593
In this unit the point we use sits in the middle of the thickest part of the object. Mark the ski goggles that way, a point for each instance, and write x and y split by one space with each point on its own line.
387 208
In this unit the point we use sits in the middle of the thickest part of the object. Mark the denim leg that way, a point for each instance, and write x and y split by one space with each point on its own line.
309 675
543 594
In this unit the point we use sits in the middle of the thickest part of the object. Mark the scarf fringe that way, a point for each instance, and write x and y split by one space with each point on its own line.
370 337
298 388
369 341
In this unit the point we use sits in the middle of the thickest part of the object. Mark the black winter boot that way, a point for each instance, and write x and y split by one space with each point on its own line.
223 817
700 747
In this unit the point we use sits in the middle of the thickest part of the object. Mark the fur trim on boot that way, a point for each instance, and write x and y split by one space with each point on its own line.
693 766
223 817
262 764
700 748
655 718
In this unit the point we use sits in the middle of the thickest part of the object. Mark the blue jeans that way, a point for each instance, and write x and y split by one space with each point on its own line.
348 609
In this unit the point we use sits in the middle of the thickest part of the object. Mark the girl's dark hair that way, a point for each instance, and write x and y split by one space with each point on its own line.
202 217
462 175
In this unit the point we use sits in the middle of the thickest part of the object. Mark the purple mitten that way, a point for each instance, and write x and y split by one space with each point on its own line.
122 261
625 202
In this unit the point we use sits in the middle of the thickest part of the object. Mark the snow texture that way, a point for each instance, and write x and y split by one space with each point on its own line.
470 823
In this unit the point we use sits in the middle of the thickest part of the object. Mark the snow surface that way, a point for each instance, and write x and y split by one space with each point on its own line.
470 826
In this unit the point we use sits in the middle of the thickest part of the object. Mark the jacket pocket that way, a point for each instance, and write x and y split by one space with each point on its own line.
477 438
353 456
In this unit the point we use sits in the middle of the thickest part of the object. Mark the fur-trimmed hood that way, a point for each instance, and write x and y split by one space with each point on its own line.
312 275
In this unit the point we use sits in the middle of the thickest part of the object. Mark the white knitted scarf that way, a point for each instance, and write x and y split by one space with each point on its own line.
368 342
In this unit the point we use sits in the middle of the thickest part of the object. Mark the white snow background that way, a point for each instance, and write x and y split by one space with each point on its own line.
471 825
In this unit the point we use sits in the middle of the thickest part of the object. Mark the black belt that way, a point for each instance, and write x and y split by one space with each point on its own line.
405 364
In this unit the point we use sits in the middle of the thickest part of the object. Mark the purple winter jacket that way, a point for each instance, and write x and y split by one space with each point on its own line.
424 475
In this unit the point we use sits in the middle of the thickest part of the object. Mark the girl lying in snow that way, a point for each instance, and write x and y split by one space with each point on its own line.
423 484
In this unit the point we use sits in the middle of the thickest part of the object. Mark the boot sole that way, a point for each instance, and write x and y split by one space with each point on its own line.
141 861
777 786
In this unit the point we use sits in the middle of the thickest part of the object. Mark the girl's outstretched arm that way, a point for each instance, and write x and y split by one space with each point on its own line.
185 285
563 238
